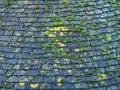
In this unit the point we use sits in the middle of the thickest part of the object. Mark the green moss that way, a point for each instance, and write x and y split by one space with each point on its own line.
10 30
31 77
64 2
108 38
118 58
57 51
69 17
95 6
86 4
82 49
79 4
33 37
84 33
106 23
63 54
7 3
118 4
105 51
36 7
57 22
46 33
5 83
110 73
47 8
45 46
74 56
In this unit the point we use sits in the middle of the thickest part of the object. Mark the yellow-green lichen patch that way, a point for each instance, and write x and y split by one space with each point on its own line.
69 71
59 81
34 85
58 29
21 83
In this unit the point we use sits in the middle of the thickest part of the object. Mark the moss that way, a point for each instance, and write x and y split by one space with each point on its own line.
45 46
105 51
57 50
36 7
47 8
5 84
74 56
86 4
108 38
57 22
79 4
84 33
33 37
95 6
7 3
31 77
10 30
110 73
69 17
118 58
46 33
64 2
63 54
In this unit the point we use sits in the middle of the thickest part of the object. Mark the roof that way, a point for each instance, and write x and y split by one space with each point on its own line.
62 44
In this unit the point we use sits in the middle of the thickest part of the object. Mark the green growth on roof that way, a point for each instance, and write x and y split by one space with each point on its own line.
7 3
108 38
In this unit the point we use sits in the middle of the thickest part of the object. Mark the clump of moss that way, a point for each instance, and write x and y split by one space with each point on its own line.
84 33
36 7
5 84
10 30
73 56
31 77
7 3
46 33
46 46
118 58
108 38
79 4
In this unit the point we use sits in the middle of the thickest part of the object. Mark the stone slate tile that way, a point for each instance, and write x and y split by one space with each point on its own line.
9 55
20 72
38 79
26 50
2 43
49 79
26 56
1 32
32 72
13 39
68 86
112 87
2 71
12 61
4 38
13 79
38 51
